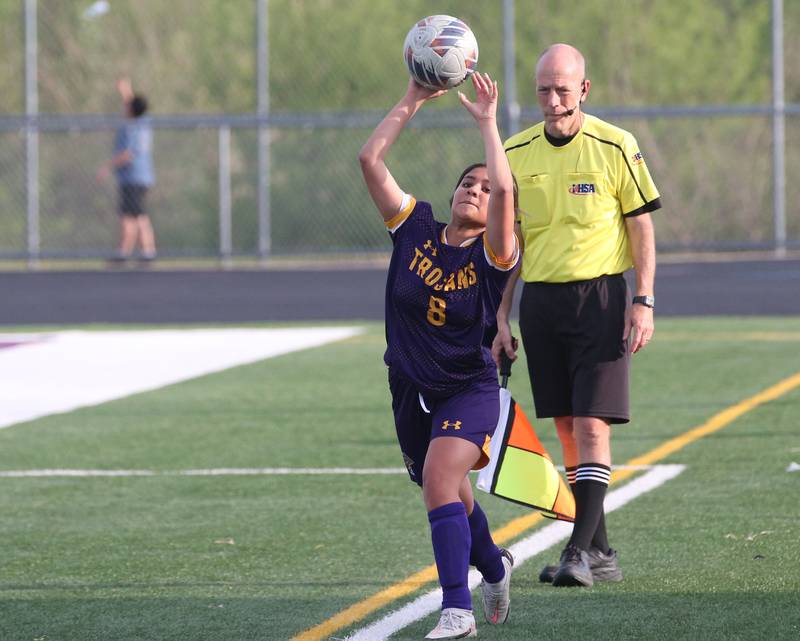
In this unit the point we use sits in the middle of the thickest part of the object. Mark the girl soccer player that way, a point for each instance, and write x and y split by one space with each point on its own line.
443 288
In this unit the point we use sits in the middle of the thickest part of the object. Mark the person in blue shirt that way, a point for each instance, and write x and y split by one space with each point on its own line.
444 285
132 164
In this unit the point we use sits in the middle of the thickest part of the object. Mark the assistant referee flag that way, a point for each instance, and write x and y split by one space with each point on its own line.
520 469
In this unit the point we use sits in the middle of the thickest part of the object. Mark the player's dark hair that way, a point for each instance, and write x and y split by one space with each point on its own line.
475 165
138 106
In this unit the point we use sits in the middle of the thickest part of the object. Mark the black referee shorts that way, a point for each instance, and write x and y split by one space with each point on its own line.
572 335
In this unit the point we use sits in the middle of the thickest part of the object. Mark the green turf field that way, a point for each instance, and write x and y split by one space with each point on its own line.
712 554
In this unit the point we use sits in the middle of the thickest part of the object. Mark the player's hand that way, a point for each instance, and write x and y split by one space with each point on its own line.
418 93
503 341
486 93
639 327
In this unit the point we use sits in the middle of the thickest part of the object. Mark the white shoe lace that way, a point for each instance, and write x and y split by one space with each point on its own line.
495 598
449 621
452 621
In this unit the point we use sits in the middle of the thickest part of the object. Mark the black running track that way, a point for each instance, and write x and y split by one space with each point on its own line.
752 287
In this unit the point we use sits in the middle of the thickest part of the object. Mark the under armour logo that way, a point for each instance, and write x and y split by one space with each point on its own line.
429 245
409 464
455 425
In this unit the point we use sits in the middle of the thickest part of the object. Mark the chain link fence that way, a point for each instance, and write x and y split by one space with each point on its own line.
692 82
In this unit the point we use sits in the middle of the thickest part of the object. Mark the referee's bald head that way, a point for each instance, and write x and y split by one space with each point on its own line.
561 88
563 57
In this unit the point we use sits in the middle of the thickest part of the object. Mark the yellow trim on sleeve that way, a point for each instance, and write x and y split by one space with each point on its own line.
395 221
505 265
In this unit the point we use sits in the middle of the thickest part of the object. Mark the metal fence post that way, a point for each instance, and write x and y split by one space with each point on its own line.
262 54
225 221
511 103
778 131
31 135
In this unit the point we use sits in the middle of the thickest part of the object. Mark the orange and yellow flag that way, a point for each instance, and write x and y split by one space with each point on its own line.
520 469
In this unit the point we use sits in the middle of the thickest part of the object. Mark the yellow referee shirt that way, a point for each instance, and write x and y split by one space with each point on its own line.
573 200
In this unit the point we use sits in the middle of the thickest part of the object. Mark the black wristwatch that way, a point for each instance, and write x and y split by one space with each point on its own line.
647 301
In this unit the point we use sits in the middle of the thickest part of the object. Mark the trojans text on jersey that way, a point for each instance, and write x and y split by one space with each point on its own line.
434 276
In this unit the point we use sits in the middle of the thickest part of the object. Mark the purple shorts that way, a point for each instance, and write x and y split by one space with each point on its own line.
471 414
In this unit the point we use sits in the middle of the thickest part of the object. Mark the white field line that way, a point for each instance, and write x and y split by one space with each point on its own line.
63 371
528 547
222 471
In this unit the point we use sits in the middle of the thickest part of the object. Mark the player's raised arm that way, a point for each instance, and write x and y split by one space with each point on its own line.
385 192
500 223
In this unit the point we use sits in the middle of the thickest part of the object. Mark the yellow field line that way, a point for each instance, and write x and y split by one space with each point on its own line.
363 608
716 422
517 526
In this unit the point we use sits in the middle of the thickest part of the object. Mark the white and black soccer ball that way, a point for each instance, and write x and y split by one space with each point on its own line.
440 51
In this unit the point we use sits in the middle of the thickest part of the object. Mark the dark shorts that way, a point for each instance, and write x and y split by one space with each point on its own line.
471 415
577 360
131 200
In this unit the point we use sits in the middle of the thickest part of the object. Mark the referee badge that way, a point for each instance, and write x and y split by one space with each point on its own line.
582 189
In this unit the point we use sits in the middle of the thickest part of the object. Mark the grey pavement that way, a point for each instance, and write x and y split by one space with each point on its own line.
153 296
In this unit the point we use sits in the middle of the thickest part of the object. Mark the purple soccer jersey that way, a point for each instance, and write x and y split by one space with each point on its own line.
441 302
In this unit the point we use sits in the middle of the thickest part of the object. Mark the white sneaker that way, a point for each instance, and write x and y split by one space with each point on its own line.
496 597
454 623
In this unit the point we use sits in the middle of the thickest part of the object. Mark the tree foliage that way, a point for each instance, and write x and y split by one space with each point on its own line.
330 55
192 56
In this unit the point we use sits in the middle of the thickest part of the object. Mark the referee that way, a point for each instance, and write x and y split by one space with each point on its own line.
585 198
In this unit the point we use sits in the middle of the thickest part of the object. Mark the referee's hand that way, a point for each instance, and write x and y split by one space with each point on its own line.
639 327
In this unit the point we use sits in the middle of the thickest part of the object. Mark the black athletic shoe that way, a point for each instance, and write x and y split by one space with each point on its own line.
604 567
547 573
573 569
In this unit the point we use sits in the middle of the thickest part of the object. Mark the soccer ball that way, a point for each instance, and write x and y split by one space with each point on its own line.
440 51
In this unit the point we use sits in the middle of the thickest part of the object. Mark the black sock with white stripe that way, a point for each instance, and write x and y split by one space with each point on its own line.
591 483
600 538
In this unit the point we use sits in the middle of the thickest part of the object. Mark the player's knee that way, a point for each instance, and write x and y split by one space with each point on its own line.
432 479
438 489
